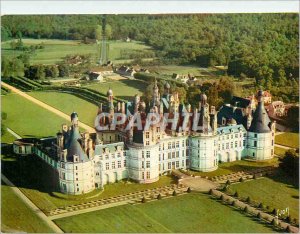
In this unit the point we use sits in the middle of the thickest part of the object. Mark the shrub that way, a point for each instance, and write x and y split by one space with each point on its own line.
288 219
189 190
236 194
233 203
159 196
241 179
274 212
260 205
274 222
246 209
228 182
288 229
174 193
144 200
259 215
210 191
248 199
254 176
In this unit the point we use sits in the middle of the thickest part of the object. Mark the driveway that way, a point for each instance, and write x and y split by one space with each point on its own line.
199 184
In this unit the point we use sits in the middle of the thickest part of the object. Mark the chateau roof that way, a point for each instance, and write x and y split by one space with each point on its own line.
229 112
73 146
260 122
231 129
240 102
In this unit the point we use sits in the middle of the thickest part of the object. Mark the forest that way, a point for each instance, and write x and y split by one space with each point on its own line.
260 46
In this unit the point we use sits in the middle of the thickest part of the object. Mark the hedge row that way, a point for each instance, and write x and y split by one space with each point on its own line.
23 83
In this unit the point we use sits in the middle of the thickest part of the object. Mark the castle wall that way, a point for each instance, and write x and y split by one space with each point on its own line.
260 146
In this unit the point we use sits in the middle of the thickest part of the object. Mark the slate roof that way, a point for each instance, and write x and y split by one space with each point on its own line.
99 149
240 102
230 112
73 146
231 129
260 122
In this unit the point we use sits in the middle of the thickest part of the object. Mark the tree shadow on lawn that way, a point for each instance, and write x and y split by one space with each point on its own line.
281 177
29 172
137 84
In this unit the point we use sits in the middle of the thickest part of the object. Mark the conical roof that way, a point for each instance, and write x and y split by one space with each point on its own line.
73 146
261 121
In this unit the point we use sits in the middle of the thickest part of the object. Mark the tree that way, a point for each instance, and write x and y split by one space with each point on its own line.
63 70
158 196
98 33
293 117
290 164
236 194
40 72
6 67
174 193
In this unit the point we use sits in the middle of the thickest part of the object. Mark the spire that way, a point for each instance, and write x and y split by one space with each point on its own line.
260 122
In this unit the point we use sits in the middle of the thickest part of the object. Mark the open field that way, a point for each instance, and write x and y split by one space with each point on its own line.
16 216
56 50
125 89
242 165
289 139
28 119
68 103
188 213
278 191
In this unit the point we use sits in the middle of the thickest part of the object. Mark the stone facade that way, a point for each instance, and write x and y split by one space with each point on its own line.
88 161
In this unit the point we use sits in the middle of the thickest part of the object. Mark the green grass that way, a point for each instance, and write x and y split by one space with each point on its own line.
56 50
242 165
278 191
279 151
28 119
289 139
188 213
16 216
68 103
125 89
7 138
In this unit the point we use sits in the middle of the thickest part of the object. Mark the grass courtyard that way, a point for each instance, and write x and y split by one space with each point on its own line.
289 139
16 216
56 50
278 191
189 213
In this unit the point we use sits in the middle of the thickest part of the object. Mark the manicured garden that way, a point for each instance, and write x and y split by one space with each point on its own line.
193 212
16 216
289 139
278 191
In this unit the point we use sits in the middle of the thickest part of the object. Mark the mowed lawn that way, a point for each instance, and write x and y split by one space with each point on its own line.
289 139
189 213
125 89
16 216
56 50
276 192
69 103
242 165
28 119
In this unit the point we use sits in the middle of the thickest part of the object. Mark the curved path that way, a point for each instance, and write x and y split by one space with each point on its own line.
46 106
32 206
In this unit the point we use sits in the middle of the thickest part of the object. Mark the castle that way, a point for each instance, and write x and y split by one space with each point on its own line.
84 162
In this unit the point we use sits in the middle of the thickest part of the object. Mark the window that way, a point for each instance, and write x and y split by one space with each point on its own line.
107 166
169 155
124 163
106 156
158 129
173 154
244 142
231 145
62 165
177 144
173 145
63 176
255 143
219 148
77 189
147 164
119 164
169 145
113 165
236 135
272 142
119 155
147 154
183 143
143 175
177 154
169 165
182 153
255 135
223 146
177 164
227 145
143 164
147 135
143 154
76 168
159 148
235 144
182 163
148 174
147 142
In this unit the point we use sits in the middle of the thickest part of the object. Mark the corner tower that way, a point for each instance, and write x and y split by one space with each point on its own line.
261 133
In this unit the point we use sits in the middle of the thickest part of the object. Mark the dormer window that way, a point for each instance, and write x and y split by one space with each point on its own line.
107 150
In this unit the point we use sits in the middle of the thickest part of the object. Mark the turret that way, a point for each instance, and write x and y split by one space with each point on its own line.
74 119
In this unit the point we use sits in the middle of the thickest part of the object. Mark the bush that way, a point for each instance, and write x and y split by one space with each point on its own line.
210 192
288 219
228 182
259 215
274 212
274 222
144 200
222 197
241 179
260 205
189 190
255 176
248 199
158 196
288 229
246 209
174 193
236 194
233 203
